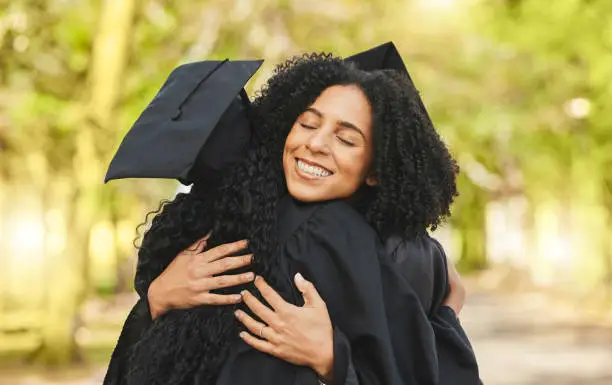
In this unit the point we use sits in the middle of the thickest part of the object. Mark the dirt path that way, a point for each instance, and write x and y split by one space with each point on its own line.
522 341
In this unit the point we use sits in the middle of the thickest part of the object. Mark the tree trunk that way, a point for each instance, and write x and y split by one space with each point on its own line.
66 283
69 284
469 219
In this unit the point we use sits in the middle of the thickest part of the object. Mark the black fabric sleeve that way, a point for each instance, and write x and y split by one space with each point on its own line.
422 263
344 370
413 337
457 362
137 322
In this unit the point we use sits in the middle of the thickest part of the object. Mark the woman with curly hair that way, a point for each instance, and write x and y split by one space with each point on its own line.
356 157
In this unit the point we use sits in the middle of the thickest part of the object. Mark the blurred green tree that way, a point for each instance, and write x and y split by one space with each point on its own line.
558 82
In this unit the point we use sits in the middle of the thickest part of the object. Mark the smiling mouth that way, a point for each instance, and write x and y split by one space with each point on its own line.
312 170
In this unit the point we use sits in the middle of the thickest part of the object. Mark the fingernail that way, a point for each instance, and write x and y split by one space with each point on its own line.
237 297
249 276
299 277
258 278
238 314
244 293
242 334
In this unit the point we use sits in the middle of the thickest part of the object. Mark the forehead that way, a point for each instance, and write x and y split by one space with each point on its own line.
346 103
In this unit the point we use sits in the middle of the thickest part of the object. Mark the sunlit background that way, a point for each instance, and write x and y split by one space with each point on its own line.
519 89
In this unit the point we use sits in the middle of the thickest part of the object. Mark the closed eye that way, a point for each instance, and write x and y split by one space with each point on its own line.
307 126
348 143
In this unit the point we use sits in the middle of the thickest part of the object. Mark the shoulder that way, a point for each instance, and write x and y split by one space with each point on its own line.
328 219
422 262
331 234
342 215
421 250
339 226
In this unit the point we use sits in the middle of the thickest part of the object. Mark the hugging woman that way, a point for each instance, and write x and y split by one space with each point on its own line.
344 157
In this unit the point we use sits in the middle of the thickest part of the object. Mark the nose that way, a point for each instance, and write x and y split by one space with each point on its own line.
318 142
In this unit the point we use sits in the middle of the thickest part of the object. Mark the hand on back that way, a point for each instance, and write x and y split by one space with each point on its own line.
194 273
457 294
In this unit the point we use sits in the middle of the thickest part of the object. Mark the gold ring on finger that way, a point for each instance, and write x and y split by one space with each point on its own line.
261 332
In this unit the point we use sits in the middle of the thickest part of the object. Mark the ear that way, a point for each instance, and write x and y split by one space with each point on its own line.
371 180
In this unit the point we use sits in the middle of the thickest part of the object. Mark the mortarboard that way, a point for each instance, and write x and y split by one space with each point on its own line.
197 123
384 57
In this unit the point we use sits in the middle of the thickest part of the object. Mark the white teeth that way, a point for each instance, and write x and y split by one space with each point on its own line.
312 170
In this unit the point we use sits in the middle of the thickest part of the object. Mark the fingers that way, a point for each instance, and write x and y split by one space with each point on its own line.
218 299
270 295
258 329
226 264
220 282
225 250
261 345
309 292
198 246
262 311
456 297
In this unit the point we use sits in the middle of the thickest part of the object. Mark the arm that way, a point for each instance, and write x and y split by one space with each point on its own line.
186 282
457 293
458 364
138 320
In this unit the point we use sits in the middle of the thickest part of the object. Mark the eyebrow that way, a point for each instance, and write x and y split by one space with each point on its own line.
342 123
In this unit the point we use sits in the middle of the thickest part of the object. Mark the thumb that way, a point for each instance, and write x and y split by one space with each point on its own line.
310 294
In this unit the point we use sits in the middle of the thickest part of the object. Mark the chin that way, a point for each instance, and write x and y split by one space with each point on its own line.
306 196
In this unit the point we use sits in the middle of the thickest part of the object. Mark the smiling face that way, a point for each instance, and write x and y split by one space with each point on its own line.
329 150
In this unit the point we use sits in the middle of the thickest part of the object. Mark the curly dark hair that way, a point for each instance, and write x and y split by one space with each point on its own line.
416 187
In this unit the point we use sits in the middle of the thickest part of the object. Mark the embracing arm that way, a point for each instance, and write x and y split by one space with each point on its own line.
457 361
186 282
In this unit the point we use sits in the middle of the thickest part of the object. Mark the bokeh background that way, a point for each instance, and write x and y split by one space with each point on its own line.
519 89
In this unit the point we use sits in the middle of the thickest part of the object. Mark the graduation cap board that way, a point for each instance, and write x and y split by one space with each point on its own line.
197 123
383 57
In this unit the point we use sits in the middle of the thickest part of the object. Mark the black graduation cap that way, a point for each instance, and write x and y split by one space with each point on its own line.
196 124
383 57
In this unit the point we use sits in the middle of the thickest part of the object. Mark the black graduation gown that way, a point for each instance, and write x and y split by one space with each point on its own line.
423 263
330 245
333 247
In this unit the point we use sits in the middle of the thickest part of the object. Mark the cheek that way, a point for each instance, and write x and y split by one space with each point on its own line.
292 139
354 164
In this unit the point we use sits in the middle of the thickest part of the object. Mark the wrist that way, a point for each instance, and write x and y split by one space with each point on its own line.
324 365
156 305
